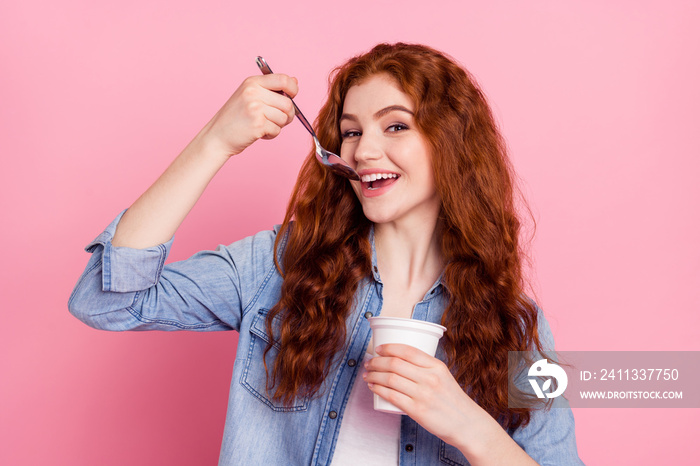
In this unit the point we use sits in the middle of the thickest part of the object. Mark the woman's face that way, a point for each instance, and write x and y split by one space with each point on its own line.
381 141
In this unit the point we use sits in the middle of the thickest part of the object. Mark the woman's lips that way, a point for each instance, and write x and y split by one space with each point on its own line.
378 187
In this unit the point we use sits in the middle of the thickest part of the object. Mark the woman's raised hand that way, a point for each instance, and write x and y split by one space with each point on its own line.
256 110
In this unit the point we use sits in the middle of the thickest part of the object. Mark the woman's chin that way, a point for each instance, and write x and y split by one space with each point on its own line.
377 216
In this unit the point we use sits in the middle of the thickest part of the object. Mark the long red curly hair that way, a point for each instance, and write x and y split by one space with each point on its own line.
327 251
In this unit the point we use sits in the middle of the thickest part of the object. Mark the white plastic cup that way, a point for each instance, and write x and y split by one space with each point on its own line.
417 333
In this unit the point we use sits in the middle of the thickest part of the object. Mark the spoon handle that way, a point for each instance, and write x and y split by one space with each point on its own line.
265 68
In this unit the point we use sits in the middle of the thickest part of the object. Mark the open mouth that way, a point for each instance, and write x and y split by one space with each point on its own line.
378 180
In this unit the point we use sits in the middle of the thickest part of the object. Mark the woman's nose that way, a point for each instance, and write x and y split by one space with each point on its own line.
368 148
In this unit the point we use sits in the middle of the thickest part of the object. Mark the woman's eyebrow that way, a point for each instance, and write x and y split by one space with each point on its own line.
392 108
347 116
378 114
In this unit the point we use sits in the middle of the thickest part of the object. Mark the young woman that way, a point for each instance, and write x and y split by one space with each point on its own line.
430 233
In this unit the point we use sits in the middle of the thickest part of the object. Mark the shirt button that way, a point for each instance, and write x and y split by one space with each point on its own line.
352 363
376 269
368 315
332 415
409 447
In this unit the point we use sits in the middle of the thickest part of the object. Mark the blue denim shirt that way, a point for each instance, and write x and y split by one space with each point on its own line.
233 288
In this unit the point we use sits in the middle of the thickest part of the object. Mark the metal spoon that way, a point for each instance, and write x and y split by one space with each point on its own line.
329 159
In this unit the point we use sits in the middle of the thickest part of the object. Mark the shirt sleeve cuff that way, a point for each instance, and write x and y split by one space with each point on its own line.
128 269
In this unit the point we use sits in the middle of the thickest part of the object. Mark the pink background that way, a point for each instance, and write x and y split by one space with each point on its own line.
598 100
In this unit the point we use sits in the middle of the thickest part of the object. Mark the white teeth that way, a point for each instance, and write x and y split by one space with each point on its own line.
376 176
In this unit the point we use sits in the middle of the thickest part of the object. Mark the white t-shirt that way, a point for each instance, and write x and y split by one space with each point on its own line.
366 437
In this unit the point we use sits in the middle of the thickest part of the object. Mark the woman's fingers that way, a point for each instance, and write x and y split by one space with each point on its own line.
390 374
407 353
276 108
410 371
396 397
256 110
404 369
422 386
275 120
281 111
384 366
278 83
273 84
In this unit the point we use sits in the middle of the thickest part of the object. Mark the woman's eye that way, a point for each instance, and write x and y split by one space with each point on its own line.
397 127
350 133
